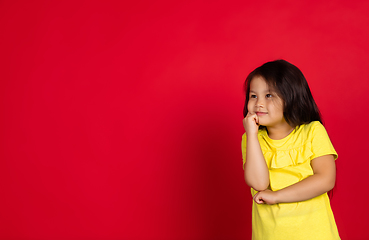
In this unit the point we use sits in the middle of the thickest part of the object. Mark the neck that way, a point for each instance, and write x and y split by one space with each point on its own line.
280 131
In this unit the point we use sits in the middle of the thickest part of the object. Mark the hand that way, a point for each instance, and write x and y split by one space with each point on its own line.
251 123
267 196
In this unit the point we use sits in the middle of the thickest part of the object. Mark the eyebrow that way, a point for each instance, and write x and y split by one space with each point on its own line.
264 91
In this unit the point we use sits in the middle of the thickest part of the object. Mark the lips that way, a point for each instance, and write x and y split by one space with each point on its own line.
261 113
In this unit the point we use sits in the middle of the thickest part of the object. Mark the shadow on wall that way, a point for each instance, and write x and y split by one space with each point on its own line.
213 161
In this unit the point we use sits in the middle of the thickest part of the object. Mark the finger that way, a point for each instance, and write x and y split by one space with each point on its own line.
252 116
259 200
255 195
257 119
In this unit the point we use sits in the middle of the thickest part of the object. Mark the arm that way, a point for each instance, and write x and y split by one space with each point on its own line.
256 172
322 181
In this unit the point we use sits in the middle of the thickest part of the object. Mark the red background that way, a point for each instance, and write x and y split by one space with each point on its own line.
124 120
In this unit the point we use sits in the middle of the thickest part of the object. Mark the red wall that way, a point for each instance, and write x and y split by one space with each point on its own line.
124 121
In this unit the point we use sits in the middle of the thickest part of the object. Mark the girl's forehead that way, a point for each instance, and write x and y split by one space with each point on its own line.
259 83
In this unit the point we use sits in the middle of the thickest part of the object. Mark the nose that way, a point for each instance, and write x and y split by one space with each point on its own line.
259 103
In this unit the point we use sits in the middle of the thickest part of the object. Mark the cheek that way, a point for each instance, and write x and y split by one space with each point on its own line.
249 106
278 110
278 106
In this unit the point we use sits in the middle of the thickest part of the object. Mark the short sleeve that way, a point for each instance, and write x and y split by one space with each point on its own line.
320 143
243 149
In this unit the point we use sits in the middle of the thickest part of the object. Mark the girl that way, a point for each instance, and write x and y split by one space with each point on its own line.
289 161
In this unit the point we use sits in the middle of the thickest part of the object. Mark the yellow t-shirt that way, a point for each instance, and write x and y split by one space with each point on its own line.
288 161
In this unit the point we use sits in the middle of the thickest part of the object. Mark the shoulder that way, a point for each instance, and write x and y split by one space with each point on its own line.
318 137
312 126
313 132
312 129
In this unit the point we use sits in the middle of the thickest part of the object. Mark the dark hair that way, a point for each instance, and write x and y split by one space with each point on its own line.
291 86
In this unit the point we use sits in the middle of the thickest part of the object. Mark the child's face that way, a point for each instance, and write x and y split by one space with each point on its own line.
267 105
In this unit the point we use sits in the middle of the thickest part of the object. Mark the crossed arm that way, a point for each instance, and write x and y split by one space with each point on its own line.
256 175
322 181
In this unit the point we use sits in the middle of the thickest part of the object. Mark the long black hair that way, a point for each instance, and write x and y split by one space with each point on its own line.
291 86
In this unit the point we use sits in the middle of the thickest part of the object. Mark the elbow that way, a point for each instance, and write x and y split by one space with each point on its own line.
257 183
331 184
258 186
327 184
260 189
258 180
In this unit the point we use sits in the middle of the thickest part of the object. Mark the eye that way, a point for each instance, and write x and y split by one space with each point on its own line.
252 96
269 95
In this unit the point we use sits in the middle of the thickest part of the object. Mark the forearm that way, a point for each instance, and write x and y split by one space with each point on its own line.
256 171
308 188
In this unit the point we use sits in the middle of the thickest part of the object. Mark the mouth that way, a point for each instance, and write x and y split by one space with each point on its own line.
261 113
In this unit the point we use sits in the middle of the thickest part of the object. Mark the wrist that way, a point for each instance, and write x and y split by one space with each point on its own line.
252 135
277 195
